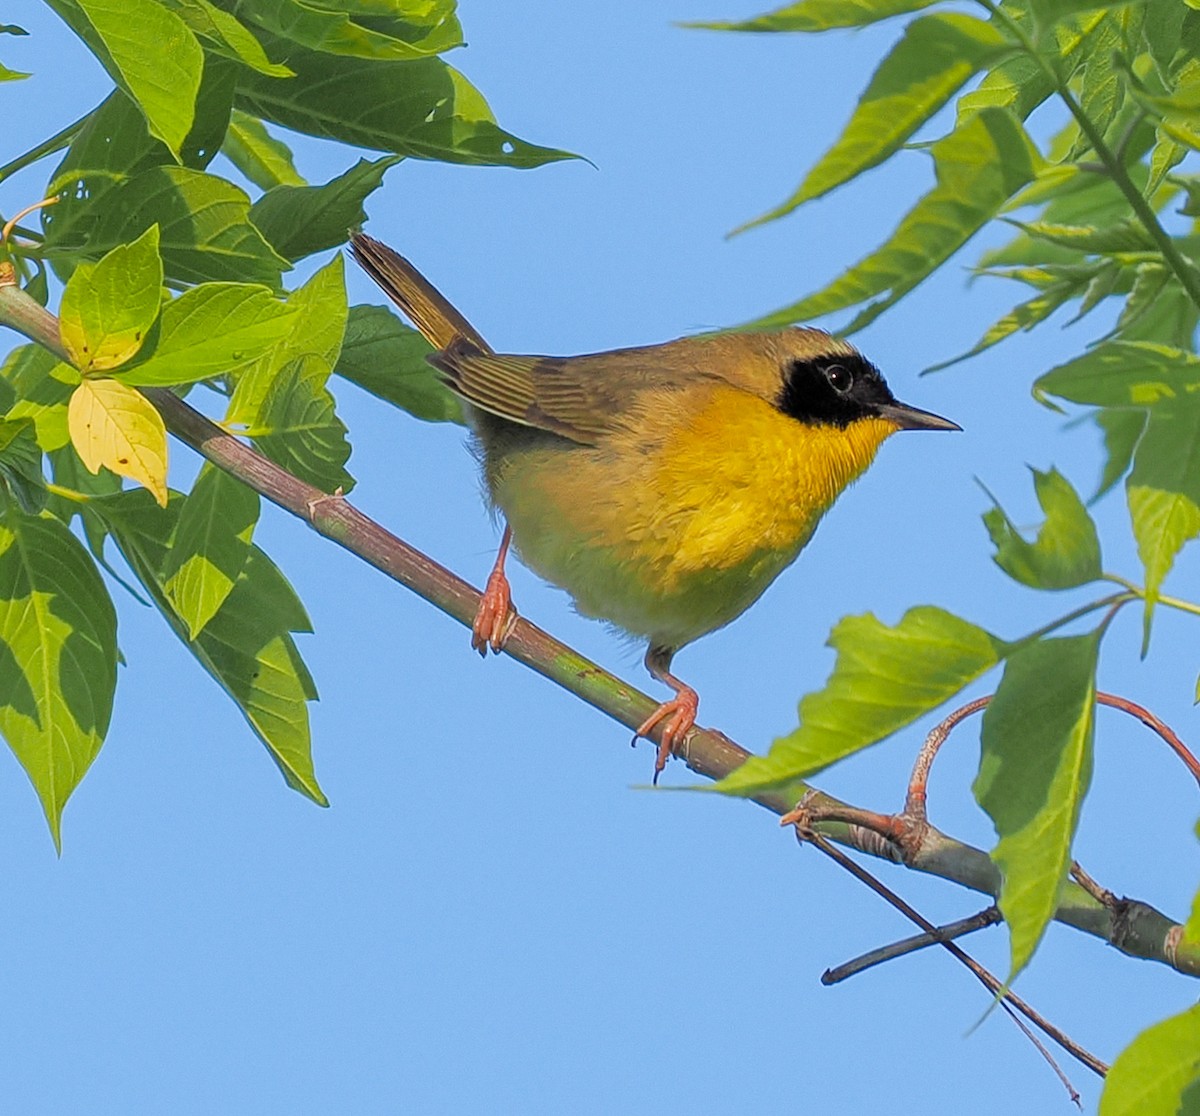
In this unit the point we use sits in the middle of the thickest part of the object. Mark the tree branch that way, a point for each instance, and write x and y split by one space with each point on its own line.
1139 930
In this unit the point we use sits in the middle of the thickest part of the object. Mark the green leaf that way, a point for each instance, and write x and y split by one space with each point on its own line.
149 52
300 220
423 108
21 477
1152 1074
1122 432
1034 772
1124 374
1150 281
1049 12
247 647
114 145
211 330
326 30
1023 316
316 329
58 657
1127 236
817 15
204 223
263 159
1163 491
34 374
108 307
387 358
884 678
979 166
1066 552
210 546
11 75
935 56
227 36
298 428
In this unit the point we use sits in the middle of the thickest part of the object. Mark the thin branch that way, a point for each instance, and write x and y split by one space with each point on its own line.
989 916
712 755
1008 998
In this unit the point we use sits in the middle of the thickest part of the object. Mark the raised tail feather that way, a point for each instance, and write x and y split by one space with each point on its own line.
423 304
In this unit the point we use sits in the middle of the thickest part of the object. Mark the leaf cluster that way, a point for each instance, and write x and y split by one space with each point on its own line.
173 265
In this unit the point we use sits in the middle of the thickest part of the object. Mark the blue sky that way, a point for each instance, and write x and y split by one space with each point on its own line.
489 917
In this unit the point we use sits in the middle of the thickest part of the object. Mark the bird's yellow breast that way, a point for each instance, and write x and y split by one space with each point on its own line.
744 479
672 528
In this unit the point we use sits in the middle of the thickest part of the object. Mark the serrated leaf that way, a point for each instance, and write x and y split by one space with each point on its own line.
40 394
1124 374
1122 431
21 477
1126 236
209 547
298 428
1034 772
326 30
263 159
1066 551
1163 492
1165 157
58 657
247 647
979 166
422 108
1101 91
211 330
387 358
1049 12
149 52
108 307
884 678
1152 1074
114 425
316 329
300 220
227 35
934 57
1149 283
204 225
1024 316
817 15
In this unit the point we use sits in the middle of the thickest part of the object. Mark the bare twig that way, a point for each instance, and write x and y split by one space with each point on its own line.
989 916
991 983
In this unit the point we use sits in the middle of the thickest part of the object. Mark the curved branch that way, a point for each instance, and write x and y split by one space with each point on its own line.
1146 933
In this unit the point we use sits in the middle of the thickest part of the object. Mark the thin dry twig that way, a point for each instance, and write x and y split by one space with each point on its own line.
989 916
990 982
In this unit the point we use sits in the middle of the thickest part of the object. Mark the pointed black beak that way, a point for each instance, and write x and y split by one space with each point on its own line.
913 418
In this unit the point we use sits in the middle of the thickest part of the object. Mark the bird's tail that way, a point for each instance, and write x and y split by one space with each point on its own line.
423 304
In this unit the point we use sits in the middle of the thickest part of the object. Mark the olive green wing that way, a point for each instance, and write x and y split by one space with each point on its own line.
580 398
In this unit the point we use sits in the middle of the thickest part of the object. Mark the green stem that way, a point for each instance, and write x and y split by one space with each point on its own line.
1187 275
1140 593
1115 601
47 147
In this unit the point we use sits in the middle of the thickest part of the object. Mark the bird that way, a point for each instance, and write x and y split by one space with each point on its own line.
664 487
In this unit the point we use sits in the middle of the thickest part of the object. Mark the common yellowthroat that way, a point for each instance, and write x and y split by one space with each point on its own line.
663 487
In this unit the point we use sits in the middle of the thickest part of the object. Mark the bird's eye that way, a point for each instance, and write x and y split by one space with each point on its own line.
840 378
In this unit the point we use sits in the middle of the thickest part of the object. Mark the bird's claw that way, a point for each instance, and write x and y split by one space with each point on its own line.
680 716
495 617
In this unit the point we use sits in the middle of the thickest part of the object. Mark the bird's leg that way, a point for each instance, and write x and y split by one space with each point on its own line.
496 615
679 713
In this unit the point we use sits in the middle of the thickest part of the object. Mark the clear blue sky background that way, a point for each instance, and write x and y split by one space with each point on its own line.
489 918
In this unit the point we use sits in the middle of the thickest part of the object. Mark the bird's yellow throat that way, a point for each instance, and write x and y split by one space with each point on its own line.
766 494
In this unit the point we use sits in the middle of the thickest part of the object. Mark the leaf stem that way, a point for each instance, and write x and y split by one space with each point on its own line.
1115 601
47 147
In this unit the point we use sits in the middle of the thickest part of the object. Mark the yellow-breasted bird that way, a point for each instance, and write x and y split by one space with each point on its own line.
663 487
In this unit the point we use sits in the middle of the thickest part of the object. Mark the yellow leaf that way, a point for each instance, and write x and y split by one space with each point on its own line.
114 425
